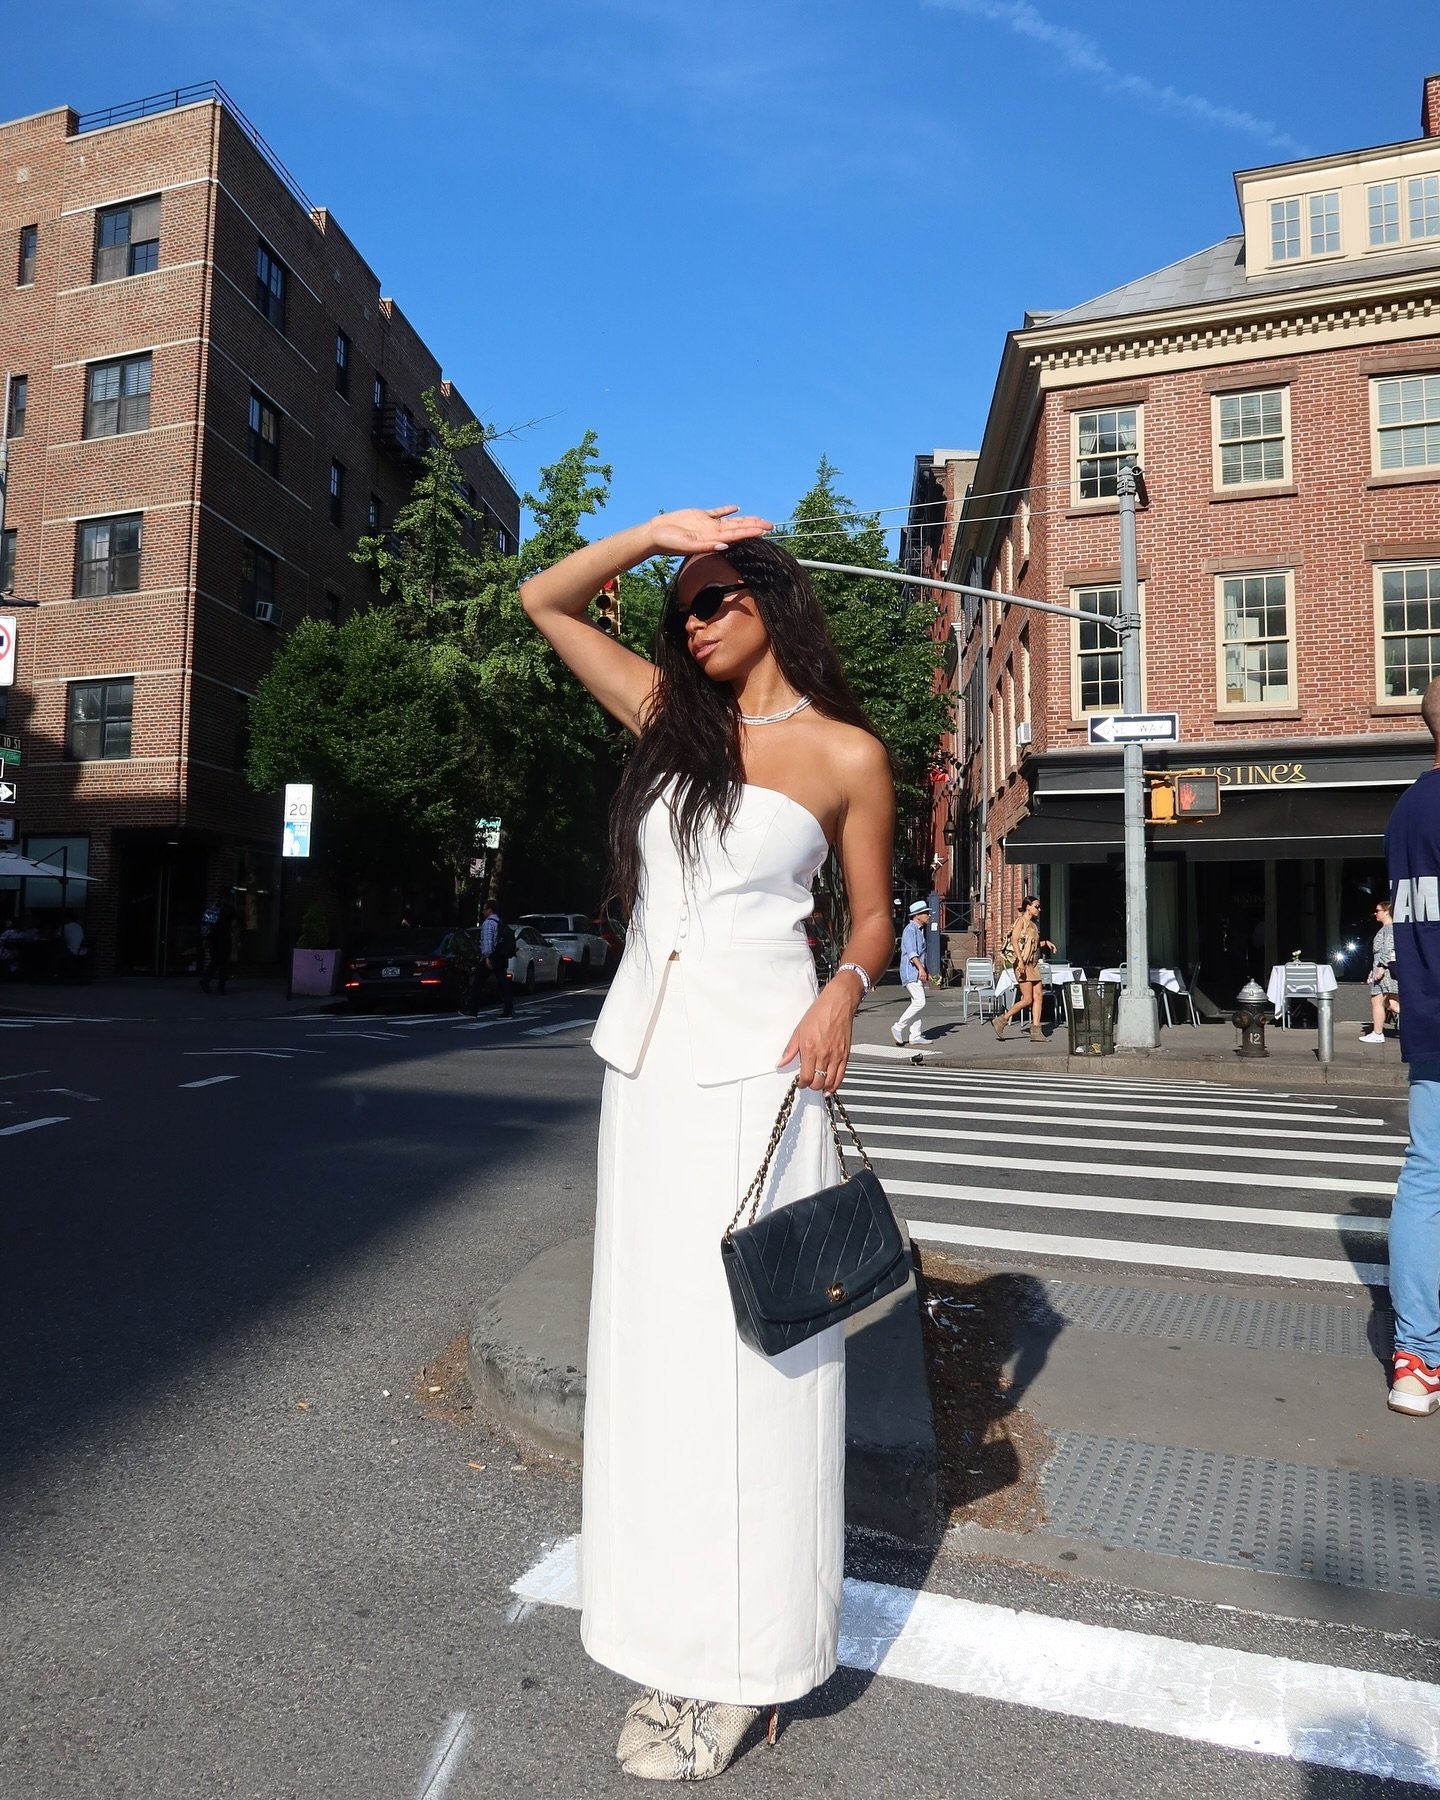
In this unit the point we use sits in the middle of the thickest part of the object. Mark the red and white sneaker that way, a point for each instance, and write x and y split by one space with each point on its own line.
1415 1386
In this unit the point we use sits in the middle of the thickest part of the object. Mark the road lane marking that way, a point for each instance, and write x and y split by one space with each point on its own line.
1163 1256
1044 1103
280 1055
25 1075
209 1081
446 1756
1144 1096
32 1125
70 1093
563 1025
1045 1165
384 1037
1229 1132
1140 1209
1275 1706
937 1075
1247 1152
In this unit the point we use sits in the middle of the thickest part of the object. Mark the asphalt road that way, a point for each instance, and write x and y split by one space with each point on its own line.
236 1555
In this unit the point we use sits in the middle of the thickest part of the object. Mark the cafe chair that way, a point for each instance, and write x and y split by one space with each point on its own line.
980 981
1302 982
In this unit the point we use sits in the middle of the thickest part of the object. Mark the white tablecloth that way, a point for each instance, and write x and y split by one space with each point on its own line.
1168 978
1275 989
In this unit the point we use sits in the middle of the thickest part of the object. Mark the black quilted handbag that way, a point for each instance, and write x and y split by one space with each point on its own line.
810 1264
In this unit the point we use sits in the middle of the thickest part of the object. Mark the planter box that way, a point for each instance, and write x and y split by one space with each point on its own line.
314 971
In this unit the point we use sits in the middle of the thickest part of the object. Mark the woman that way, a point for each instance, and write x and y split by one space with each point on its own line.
1384 991
712 1542
1024 942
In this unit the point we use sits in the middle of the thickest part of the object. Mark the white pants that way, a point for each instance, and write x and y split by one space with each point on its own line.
916 991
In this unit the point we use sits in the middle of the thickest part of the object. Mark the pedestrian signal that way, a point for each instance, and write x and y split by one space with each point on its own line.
1169 799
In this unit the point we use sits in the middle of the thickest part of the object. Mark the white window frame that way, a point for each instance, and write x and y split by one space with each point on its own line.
1382 198
1085 596
1270 703
1430 426
1285 214
1219 446
1422 201
1431 567
1138 453
1328 203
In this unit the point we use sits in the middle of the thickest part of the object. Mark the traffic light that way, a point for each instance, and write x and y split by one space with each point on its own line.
1159 801
607 608
1170 799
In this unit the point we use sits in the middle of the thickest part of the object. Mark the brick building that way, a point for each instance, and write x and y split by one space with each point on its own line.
1281 391
208 402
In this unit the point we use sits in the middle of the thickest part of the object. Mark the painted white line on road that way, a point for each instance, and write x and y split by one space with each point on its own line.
1037 1078
280 1054
563 1025
69 1093
32 1125
383 1037
1043 1103
25 1075
1085 1092
1333 1153
1172 1125
446 1757
480 1024
1160 1256
209 1081
1045 1165
1273 1706
1138 1209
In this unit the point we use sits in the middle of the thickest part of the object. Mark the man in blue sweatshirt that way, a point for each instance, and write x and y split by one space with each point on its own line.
1412 853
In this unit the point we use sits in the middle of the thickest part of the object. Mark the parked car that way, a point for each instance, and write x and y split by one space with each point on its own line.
430 963
536 959
575 936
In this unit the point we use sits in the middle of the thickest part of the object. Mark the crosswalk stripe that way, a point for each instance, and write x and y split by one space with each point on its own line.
1047 1103
1190 1128
1164 1256
1141 1209
1040 1165
1251 1152
33 1125
942 1081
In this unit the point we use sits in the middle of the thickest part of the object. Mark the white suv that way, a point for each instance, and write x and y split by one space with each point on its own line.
573 935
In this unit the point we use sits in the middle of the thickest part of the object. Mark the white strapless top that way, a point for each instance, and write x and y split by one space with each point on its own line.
737 921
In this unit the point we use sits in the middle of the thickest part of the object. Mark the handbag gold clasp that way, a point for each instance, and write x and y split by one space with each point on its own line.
837 1294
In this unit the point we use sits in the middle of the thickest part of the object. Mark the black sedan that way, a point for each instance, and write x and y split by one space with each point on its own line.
414 963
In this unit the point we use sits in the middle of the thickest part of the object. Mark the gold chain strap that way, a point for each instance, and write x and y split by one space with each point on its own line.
756 1190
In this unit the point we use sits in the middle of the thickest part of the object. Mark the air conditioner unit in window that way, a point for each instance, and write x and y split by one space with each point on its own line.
1023 732
267 612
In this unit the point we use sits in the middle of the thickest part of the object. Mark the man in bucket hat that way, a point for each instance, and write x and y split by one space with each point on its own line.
912 973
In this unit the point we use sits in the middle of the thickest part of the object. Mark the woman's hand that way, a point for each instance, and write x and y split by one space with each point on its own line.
822 1039
699 531
1045 944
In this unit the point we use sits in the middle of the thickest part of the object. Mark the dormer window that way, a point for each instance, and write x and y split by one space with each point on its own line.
1284 230
1325 224
1382 203
1305 227
1423 194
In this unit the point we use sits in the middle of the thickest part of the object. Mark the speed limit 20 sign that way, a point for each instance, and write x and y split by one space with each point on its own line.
7 650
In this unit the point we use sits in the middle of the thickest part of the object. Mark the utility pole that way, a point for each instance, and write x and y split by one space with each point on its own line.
1137 1023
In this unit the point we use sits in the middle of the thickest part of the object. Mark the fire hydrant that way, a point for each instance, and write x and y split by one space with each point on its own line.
1252 1008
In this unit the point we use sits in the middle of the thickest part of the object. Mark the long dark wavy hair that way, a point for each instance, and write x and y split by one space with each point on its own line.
691 734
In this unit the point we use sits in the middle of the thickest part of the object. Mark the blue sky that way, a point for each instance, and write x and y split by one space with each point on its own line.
732 236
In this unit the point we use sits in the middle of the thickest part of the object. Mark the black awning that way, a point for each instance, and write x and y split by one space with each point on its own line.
1332 823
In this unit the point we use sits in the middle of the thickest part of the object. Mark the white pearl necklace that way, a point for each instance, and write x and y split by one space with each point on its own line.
775 718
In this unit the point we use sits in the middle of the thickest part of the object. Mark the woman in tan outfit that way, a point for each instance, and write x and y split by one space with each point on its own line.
1024 942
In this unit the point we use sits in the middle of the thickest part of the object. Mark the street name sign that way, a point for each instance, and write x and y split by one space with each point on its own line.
1135 728
8 793
7 650
9 755
299 808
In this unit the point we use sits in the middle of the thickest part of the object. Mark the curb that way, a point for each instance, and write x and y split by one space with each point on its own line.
527 1365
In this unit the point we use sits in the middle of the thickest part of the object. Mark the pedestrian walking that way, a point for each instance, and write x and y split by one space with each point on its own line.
497 946
713 1518
1021 954
1412 853
1384 989
912 973
217 942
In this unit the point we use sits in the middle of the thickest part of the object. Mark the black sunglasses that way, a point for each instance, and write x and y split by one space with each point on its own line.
704 604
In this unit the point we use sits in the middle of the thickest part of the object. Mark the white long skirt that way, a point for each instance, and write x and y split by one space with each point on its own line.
712 1547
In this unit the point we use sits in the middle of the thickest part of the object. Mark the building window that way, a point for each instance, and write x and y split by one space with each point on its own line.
342 365
1284 230
127 239
1382 206
7 562
270 285
99 717
1324 224
337 492
1096 672
333 601
502 540
372 515
1423 195
264 438
1103 442
19 400
1409 605
29 243
257 575
117 397
379 391
1255 640
1407 422
107 556
1251 437
242 730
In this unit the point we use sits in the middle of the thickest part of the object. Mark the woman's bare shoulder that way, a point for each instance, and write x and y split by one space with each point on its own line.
856 755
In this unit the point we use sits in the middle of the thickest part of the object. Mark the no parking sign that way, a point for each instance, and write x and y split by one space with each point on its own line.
7 650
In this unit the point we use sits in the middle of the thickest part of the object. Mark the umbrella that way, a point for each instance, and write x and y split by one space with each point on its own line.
27 868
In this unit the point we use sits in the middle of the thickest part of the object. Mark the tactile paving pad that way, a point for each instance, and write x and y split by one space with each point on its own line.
1336 1525
1258 1324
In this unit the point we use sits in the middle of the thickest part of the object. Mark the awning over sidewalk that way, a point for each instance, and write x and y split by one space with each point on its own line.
1337 822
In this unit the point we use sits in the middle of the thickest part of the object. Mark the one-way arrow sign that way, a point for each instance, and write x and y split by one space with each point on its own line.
1135 728
8 791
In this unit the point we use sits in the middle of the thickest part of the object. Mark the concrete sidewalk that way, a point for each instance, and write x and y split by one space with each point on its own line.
1186 1052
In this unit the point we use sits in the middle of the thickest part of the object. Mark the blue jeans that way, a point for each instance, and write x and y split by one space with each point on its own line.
1415 1224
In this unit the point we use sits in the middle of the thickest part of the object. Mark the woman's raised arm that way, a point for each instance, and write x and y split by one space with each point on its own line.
555 600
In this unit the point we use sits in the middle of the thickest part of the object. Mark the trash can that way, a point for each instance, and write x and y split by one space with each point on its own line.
1090 1008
